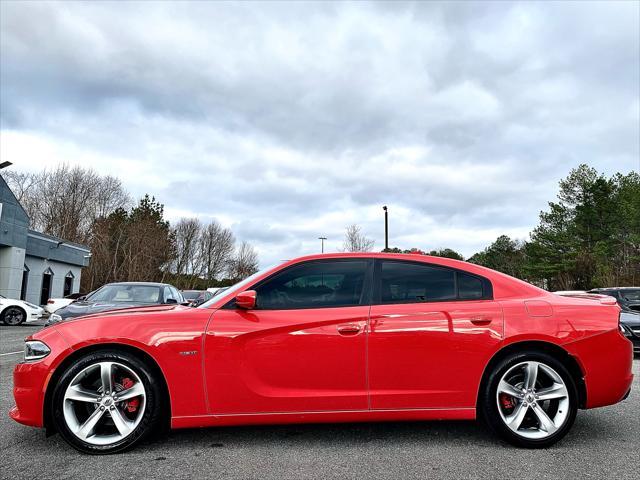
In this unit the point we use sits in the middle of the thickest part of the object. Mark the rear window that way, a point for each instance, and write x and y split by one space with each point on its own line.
630 295
469 287
410 282
407 282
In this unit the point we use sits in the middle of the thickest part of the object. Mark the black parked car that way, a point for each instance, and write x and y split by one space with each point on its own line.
196 297
116 296
629 300
628 297
630 323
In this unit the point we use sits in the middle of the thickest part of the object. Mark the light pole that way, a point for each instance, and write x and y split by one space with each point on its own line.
386 228
322 239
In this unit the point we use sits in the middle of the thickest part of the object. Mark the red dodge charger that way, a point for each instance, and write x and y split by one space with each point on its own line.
332 338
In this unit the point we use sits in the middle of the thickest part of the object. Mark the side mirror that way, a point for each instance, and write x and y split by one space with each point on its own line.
171 300
246 299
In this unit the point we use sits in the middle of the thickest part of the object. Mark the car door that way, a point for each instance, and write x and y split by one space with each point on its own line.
302 349
432 331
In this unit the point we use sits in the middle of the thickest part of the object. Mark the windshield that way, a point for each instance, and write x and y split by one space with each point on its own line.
238 287
127 294
191 294
631 295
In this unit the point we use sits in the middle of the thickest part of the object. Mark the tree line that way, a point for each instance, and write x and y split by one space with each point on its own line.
589 237
129 242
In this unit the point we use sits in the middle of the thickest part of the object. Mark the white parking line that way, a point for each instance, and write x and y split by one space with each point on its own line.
10 353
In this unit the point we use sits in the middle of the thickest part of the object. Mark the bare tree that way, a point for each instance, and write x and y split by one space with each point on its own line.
216 249
23 186
65 201
244 263
187 233
355 241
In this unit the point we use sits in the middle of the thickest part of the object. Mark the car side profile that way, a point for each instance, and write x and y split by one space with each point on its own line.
332 338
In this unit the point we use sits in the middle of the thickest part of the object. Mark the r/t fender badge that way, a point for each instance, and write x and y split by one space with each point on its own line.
189 352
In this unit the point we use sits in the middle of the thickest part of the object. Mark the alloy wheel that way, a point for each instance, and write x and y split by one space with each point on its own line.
533 400
13 316
104 403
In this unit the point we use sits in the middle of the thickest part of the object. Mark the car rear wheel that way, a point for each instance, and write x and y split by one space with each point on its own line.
13 316
106 402
530 400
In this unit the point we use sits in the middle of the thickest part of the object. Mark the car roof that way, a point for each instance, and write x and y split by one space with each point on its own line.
150 284
615 288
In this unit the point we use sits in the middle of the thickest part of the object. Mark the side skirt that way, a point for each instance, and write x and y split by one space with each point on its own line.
324 417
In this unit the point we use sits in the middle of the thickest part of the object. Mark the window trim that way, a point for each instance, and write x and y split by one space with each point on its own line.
487 287
365 296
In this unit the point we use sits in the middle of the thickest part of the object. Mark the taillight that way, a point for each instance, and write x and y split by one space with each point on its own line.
50 301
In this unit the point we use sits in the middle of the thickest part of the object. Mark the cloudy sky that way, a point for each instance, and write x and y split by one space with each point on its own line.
287 121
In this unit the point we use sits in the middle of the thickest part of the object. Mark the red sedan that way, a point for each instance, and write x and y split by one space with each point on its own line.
332 338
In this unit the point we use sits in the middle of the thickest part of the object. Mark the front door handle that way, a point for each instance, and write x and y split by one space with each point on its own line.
349 329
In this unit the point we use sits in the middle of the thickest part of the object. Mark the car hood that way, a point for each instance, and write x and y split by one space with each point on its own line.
81 309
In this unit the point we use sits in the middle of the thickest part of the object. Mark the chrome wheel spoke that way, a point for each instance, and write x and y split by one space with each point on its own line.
132 392
105 377
531 375
90 423
509 389
515 419
545 422
124 426
558 390
79 394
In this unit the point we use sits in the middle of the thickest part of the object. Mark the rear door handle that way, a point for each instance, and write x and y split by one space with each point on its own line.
349 329
480 320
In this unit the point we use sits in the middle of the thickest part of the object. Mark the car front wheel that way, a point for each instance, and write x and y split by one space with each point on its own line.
106 402
530 400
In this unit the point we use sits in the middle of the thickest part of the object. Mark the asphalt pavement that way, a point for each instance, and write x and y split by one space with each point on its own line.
604 443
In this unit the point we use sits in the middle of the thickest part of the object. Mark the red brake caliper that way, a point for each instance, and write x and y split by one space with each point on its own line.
133 404
507 402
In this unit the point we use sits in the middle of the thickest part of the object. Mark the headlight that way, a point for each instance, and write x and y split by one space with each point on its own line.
35 307
35 350
53 318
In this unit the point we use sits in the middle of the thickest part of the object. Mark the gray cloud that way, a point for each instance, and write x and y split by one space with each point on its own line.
291 120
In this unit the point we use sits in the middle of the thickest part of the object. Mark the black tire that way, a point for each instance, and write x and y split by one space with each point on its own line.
12 312
488 405
154 406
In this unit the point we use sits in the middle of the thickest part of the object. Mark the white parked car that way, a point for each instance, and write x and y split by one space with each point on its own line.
15 312
54 304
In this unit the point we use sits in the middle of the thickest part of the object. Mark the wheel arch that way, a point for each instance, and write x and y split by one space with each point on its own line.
125 348
568 360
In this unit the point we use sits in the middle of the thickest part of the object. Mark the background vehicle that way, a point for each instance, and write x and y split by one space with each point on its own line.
196 297
54 304
630 322
15 312
115 296
332 338
627 297
216 290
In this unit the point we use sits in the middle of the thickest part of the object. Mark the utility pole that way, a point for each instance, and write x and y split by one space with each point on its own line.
322 239
386 229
